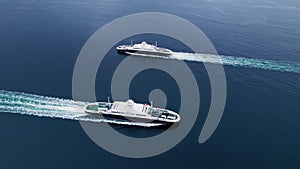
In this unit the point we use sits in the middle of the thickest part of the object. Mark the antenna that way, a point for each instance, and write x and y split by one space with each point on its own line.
131 42
156 43
108 99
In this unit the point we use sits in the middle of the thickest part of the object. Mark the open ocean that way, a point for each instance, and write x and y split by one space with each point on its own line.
257 41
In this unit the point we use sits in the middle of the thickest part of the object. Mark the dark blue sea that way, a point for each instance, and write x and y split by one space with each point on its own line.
40 41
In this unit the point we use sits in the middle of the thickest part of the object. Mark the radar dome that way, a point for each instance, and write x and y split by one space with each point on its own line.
130 102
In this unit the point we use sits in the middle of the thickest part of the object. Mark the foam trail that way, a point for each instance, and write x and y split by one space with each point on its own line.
281 66
42 106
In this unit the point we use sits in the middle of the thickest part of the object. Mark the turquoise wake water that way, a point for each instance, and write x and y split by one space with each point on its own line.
281 66
43 106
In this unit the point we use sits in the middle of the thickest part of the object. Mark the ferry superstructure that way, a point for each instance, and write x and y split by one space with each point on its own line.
130 109
143 49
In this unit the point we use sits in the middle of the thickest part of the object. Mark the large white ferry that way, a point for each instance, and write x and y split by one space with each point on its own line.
143 49
130 109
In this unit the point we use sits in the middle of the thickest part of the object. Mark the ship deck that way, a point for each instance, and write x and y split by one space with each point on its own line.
135 109
92 107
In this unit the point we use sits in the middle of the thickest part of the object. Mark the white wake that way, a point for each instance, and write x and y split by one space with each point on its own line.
42 106
281 66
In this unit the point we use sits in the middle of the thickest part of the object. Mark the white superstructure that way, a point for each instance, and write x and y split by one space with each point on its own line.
143 49
132 110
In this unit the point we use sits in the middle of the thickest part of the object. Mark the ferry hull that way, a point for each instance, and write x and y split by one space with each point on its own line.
143 53
143 49
134 112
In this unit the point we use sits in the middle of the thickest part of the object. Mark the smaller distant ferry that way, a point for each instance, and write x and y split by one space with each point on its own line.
132 110
143 49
